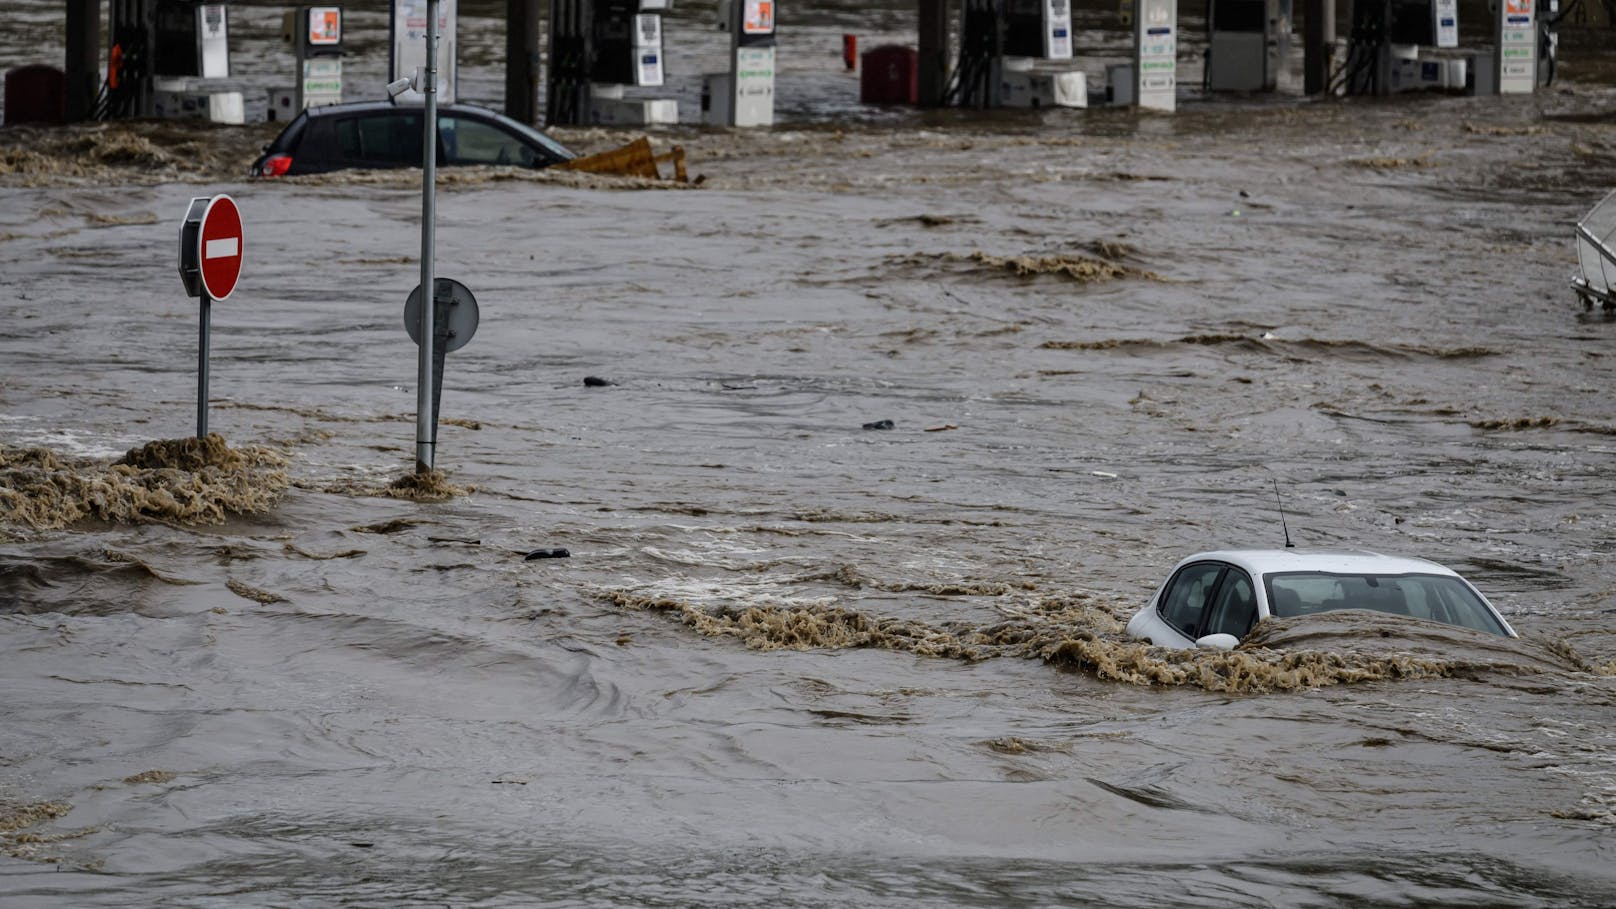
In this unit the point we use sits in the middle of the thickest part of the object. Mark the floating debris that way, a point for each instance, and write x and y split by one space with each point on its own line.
556 553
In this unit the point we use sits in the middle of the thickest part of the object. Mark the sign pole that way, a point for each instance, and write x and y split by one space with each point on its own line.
202 369
425 428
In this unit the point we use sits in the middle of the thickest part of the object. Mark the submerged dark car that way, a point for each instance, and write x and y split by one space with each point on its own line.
380 134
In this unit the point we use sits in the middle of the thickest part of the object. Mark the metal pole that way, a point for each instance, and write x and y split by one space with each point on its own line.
1318 43
424 428
933 52
521 59
202 369
83 57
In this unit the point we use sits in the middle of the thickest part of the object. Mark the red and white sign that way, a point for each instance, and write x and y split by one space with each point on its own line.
219 247
325 25
758 17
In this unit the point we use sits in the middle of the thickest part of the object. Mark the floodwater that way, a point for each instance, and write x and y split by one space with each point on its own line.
792 661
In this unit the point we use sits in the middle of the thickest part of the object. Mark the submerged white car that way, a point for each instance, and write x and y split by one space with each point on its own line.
1212 599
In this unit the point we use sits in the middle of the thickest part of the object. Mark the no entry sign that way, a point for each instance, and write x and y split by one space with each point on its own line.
211 247
210 263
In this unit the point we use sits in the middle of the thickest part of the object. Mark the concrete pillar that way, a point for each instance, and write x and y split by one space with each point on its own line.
83 64
522 60
933 52
1318 45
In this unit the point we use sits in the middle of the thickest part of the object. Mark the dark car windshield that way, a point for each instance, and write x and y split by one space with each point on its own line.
533 135
1434 597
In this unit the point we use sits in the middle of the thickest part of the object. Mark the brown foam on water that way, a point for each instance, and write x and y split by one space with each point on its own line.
256 594
1517 424
1073 631
130 151
433 486
803 628
186 481
1390 163
20 817
18 840
1083 269
1279 346
852 577
149 776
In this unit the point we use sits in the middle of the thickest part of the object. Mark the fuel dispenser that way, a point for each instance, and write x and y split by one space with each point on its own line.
1005 51
1384 51
626 50
315 35
598 48
1516 65
744 96
1247 44
628 42
1155 55
1038 28
169 58
1035 32
319 56
1151 80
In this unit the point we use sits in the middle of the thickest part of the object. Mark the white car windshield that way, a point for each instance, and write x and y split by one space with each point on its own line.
1434 597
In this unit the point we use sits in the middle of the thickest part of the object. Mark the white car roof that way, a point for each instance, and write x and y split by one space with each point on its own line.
1264 561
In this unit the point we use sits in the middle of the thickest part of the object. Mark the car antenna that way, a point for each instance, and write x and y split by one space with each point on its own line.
1281 503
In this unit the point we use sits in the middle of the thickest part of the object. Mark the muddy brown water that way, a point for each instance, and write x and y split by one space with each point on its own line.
792 661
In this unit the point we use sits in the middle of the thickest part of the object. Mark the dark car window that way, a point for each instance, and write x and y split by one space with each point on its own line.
551 149
387 137
469 141
1235 610
318 143
1184 602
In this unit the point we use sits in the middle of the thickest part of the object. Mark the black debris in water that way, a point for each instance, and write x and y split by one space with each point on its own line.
556 553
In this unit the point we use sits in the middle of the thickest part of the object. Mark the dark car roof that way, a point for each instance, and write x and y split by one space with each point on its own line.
351 107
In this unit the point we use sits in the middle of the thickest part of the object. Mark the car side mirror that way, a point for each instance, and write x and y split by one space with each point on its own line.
1217 642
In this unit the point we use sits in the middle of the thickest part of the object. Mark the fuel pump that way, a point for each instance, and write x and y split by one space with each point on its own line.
1038 28
168 58
1384 49
318 48
628 42
1517 64
599 47
625 49
1005 49
1247 44
744 96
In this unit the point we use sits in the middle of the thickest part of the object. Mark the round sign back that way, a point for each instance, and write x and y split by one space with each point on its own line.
463 313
